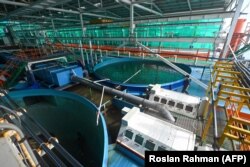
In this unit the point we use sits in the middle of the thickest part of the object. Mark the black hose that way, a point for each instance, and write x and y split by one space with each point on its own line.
57 146
134 99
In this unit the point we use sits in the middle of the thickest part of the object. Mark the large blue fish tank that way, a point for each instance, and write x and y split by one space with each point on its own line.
71 119
136 74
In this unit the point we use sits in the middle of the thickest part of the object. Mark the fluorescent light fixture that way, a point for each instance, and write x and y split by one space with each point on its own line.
83 7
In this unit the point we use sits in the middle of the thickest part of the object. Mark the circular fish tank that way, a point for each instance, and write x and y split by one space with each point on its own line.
136 74
71 119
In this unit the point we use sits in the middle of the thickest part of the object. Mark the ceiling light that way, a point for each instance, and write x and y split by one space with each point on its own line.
59 12
83 7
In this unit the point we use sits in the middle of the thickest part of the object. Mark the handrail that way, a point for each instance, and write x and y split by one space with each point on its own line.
29 64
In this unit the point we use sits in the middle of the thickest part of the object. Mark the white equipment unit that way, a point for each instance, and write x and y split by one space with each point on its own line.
140 132
177 102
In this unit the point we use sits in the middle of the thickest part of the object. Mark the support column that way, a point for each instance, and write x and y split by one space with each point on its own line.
81 50
82 26
132 19
53 25
231 31
91 52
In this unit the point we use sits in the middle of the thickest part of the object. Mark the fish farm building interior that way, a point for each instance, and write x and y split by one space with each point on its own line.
97 83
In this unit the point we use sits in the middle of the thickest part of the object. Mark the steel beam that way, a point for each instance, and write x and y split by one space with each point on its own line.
54 9
163 39
231 31
141 7
100 8
189 5
157 7
129 10
49 18
187 16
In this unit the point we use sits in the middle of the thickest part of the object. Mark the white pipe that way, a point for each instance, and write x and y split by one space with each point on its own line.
45 60
106 79
100 106
87 56
81 50
175 67
131 77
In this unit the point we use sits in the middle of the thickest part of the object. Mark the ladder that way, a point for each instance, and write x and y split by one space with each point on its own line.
235 97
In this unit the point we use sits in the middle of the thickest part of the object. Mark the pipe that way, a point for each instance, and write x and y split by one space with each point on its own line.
11 112
215 145
81 51
245 77
134 99
44 60
174 66
32 157
131 77
57 146
57 161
